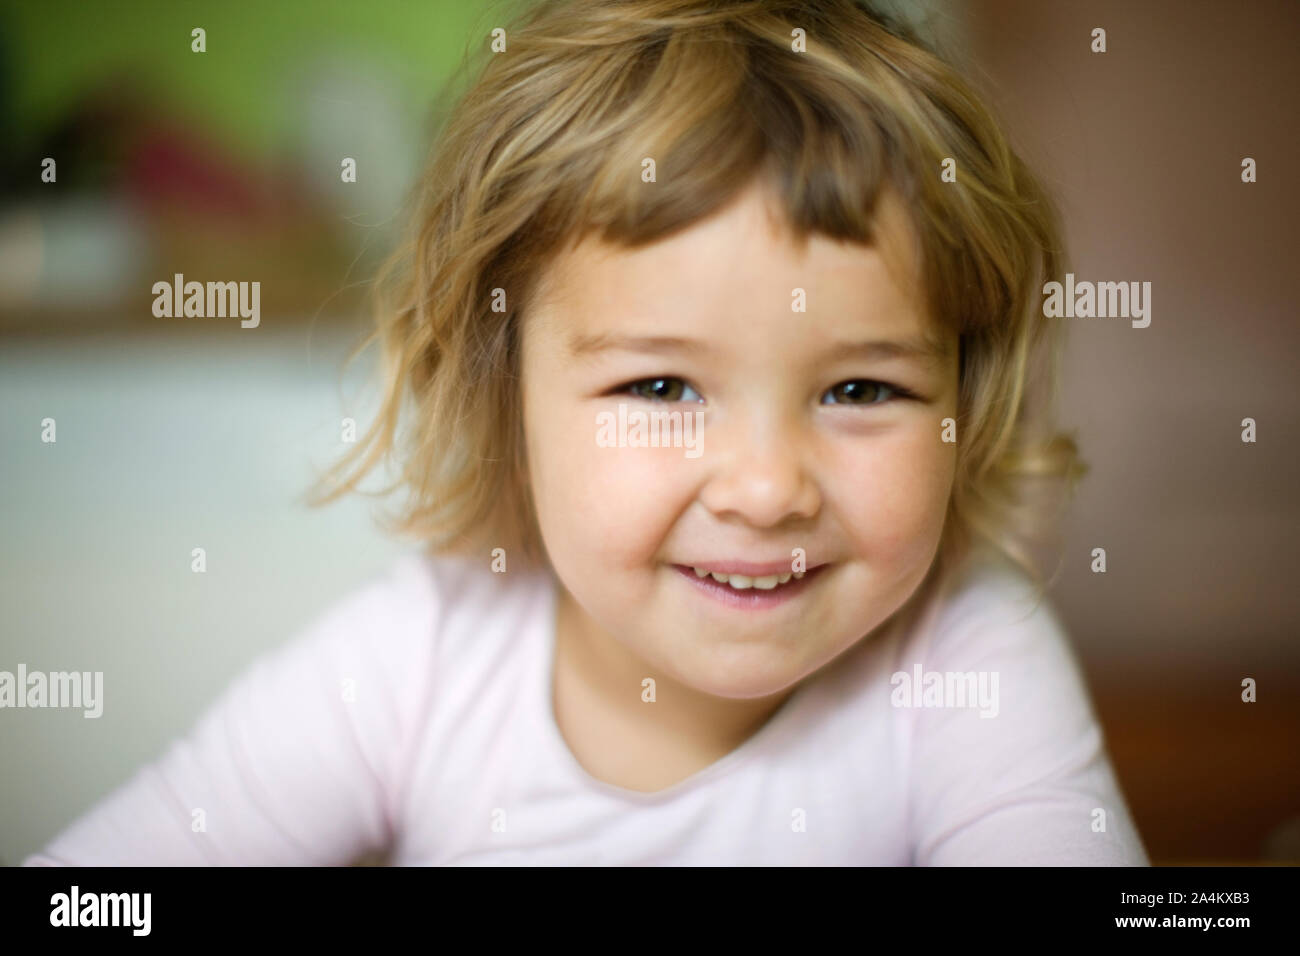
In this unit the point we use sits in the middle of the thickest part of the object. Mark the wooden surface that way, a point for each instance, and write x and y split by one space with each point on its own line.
1209 779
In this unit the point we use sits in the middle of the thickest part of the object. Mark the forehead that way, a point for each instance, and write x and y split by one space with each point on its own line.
732 271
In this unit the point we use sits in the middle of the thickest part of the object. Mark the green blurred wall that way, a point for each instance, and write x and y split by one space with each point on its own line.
58 50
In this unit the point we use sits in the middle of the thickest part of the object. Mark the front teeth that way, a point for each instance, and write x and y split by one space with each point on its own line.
743 582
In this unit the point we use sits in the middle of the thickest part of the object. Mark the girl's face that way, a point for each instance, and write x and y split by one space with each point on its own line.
821 437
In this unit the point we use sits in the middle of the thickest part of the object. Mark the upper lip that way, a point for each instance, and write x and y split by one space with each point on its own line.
752 569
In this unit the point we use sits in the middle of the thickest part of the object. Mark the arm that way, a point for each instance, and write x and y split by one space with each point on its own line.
290 766
1033 784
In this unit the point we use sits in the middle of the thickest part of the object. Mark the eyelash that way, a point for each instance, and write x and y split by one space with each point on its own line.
895 392
627 388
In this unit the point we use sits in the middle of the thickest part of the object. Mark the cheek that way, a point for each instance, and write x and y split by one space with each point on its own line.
598 508
897 496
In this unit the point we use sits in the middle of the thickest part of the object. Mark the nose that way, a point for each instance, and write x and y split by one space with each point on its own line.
760 474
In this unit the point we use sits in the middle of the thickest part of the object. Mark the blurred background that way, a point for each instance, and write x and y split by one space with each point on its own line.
226 166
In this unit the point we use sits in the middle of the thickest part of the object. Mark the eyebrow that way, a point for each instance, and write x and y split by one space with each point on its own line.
922 347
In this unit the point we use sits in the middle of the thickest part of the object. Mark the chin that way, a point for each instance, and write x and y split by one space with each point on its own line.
744 678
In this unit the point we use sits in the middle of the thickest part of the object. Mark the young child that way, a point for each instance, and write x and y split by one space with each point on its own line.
715 356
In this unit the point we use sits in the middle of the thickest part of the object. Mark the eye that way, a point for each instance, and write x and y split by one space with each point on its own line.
864 391
663 390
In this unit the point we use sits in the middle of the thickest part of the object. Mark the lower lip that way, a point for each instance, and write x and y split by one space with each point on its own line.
750 599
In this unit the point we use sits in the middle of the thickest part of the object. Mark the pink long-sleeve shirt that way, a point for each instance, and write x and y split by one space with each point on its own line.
414 717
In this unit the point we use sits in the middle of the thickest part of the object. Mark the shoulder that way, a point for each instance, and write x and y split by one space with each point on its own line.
990 611
989 634
369 662
417 601
1007 758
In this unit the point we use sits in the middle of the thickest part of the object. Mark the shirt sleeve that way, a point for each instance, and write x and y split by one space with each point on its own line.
1021 777
297 762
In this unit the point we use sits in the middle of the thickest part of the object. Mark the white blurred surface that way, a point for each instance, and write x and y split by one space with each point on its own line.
200 439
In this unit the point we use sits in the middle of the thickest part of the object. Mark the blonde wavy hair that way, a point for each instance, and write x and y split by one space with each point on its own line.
546 145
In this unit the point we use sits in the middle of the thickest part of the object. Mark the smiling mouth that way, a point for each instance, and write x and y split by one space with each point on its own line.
743 582
749 591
